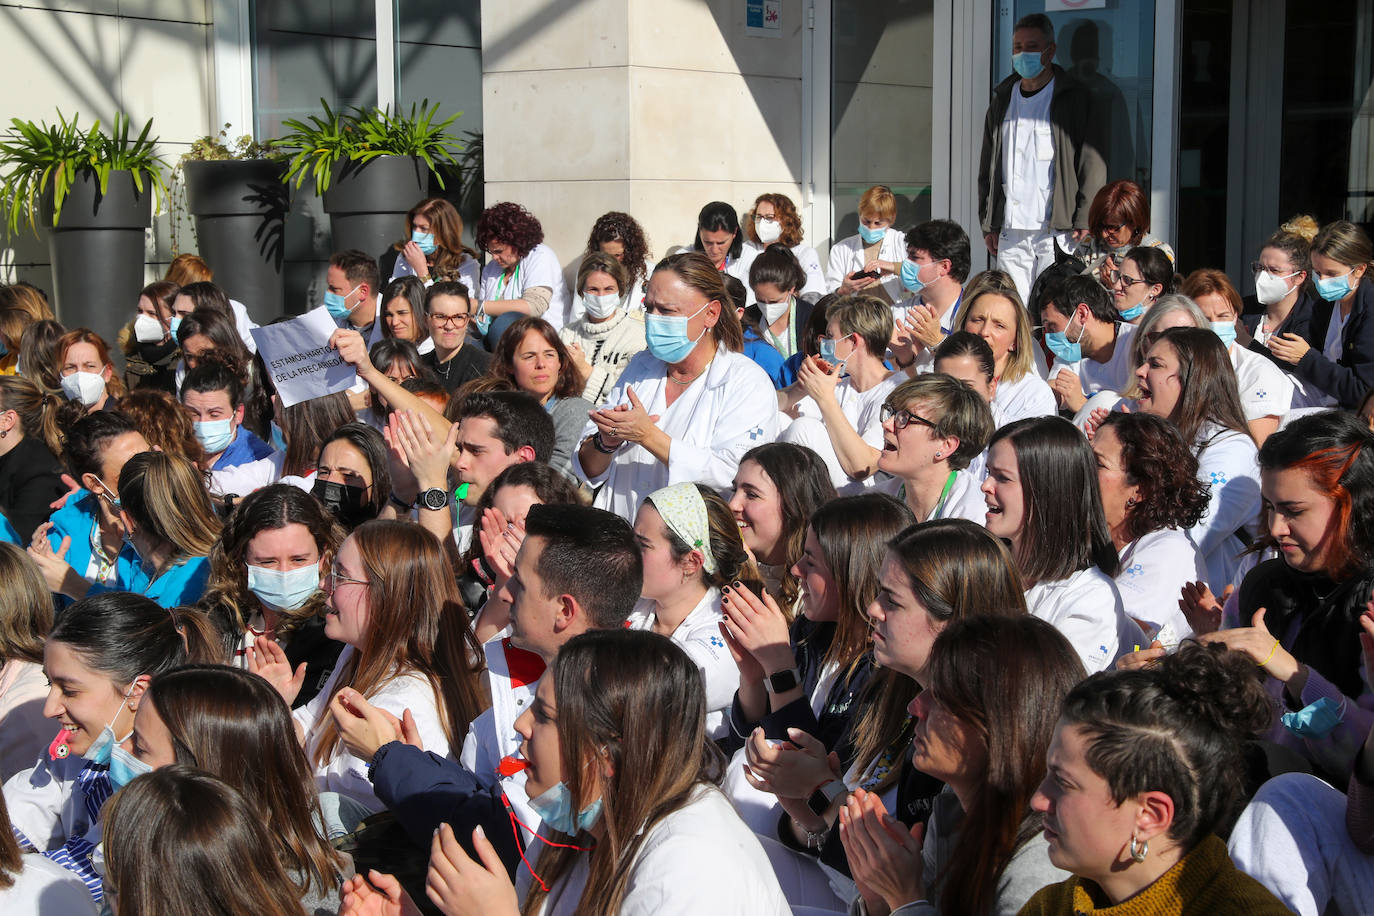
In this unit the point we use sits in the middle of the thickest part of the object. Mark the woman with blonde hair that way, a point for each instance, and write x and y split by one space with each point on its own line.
688 407
13 323
393 602
434 249
876 242
25 618
27 298
995 313
30 441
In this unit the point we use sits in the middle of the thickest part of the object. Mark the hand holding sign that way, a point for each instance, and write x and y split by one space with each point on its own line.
300 359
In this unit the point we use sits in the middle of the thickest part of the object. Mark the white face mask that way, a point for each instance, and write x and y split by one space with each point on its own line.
148 329
1270 289
86 387
768 230
601 306
772 311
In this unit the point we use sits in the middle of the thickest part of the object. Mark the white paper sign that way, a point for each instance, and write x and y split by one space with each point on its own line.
300 361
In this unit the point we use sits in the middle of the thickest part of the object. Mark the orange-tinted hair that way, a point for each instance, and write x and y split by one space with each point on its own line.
1121 202
1208 281
879 201
85 335
787 216
186 269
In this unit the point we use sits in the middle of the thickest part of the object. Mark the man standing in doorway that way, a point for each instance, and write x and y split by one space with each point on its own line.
1041 163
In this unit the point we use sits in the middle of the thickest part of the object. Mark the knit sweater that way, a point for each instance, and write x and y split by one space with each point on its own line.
1205 882
608 346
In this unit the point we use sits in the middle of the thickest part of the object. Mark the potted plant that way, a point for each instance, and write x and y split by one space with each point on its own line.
370 166
96 193
236 192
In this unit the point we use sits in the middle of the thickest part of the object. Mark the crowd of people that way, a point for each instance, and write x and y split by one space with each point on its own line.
716 582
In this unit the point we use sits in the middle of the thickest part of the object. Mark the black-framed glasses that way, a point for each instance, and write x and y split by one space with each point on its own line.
902 418
1117 276
1113 227
334 577
451 321
1256 267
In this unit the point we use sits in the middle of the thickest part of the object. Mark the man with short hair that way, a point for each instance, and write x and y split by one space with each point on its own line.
212 394
1092 349
351 296
1041 162
937 263
448 313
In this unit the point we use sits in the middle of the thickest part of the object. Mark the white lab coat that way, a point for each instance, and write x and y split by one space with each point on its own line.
806 257
699 636
1087 609
698 859
730 409
538 268
47 805
1029 396
44 888
1154 569
1265 389
847 256
863 410
965 499
345 773
1228 462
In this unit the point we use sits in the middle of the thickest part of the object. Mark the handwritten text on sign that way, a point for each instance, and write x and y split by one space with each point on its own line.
299 359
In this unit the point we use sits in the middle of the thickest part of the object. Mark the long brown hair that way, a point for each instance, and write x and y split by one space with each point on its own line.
177 827
447 228
957 569
25 607
166 496
416 624
233 725
37 409
803 484
569 384
633 705
696 271
1007 677
308 424
11 857
227 597
1208 388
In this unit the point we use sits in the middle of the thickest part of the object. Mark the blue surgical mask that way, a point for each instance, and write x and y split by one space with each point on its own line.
1226 330
338 305
215 435
667 337
482 321
1027 64
1334 289
871 236
1134 312
173 324
125 767
911 276
827 351
284 590
424 239
104 743
555 808
278 437
1317 720
1058 342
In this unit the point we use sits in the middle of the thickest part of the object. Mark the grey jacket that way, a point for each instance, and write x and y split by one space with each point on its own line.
1079 169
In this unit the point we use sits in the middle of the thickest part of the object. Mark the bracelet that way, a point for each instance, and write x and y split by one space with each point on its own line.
1271 654
600 444
813 840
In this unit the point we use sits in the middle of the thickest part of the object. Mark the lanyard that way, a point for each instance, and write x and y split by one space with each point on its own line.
944 495
789 346
501 283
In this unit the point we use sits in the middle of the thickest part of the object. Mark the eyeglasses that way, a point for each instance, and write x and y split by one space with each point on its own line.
1113 227
1117 276
451 321
334 577
903 418
1257 267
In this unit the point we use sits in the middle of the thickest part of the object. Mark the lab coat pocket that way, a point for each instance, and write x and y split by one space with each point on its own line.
1044 144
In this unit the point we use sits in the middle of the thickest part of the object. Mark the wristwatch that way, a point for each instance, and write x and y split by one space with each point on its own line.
782 681
824 796
434 498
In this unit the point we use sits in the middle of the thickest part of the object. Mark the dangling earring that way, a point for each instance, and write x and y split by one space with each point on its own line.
1139 850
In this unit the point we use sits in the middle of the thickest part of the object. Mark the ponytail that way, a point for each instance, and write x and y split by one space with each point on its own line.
38 410
125 635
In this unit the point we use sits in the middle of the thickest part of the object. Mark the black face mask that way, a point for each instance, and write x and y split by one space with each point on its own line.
345 501
157 351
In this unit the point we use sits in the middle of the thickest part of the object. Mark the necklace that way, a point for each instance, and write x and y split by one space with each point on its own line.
693 378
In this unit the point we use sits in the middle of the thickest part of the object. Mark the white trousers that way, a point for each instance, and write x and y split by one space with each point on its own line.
1292 839
1024 253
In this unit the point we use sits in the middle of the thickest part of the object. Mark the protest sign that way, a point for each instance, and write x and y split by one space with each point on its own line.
300 361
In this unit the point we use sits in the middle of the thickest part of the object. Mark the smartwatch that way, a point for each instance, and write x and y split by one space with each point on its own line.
824 796
434 498
782 681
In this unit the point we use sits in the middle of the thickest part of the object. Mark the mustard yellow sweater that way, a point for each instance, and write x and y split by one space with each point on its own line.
1203 883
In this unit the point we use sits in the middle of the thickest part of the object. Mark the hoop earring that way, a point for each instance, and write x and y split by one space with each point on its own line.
1140 851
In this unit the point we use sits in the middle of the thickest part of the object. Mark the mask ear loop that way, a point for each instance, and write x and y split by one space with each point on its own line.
516 824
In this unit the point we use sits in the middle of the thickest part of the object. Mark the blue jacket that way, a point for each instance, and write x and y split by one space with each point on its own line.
7 532
75 520
182 583
766 355
425 790
246 447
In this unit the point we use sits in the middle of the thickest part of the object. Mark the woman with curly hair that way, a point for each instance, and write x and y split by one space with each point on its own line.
531 356
523 277
434 249
163 422
620 236
775 219
1151 497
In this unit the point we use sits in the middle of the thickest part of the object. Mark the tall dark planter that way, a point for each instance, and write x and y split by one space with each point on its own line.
96 249
367 203
240 211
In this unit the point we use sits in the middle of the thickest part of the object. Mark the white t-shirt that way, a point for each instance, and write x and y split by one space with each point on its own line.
538 268
1028 159
863 410
1087 609
699 636
1113 375
1154 569
1265 389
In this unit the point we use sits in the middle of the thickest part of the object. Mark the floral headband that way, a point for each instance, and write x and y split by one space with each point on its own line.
684 512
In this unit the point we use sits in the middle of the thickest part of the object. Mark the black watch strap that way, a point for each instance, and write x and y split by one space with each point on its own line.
782 681
434 498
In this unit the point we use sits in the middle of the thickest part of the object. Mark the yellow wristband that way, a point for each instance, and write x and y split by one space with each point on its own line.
1271 654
